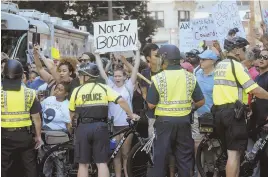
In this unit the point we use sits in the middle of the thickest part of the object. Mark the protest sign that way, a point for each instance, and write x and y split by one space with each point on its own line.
204 29
111 36
265 17
186 39
226 17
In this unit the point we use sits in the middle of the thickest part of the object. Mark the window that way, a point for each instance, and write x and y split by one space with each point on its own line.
242 3
183 16
158 16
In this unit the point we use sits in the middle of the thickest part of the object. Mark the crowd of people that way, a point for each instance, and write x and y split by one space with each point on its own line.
69 87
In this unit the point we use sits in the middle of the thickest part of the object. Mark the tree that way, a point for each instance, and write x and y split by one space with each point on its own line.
84 13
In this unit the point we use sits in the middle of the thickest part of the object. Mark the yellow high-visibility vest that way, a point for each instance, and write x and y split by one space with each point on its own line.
175 88
225 88
15 107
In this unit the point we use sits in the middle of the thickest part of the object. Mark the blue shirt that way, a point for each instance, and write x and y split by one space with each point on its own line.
206 83
36 83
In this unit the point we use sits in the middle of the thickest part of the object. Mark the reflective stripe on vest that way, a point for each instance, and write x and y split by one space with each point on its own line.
16 107
174 102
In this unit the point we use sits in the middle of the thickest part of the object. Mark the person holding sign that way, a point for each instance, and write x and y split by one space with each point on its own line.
125 87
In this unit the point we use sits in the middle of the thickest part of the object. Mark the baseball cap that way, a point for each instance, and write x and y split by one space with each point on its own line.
208 54
170 52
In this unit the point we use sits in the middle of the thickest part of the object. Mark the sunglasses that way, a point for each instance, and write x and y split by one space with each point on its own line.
264 57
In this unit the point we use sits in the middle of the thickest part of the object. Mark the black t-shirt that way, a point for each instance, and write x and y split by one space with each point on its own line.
261 104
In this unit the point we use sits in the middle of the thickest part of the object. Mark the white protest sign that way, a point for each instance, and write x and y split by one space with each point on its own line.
186 40
265 17
204 29
111 36
226 17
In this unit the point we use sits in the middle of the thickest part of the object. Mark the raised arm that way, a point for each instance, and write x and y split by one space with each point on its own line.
42 72
100 65
136 67
52 68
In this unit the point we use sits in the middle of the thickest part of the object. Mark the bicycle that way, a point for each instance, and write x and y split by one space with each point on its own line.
64 153
211 143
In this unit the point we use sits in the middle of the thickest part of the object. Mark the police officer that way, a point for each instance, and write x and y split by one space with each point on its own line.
232 83
18 106
171 94
90 103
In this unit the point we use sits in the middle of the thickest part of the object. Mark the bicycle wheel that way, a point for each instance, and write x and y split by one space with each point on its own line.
210 159
138 161
58 162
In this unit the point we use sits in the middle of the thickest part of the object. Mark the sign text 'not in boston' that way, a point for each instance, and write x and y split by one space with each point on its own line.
111 36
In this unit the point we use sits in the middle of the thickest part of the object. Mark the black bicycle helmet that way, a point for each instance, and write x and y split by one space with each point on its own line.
13 69
89 69
236 42
193 53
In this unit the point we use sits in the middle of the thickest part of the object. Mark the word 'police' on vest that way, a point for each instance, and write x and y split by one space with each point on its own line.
92 97
111 36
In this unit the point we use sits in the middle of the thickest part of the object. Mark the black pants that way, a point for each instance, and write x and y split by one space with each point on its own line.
173 135
18 144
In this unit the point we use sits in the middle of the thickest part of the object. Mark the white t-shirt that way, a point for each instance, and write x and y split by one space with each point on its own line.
42 87
55 114
126 91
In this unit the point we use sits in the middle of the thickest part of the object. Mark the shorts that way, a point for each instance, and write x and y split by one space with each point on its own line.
92 143
232 132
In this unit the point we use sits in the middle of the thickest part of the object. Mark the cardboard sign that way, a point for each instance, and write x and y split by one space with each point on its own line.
111 36
204 29
186 39
226 17
265 17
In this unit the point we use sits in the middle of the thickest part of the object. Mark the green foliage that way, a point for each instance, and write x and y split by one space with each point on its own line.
87 12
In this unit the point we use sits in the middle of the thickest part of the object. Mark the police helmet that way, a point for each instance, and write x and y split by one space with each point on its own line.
236 42
192 53
13 69
169 52
89 69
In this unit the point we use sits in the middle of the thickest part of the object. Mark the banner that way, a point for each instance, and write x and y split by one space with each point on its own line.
265 17
226 17
186 40
112 36
204 29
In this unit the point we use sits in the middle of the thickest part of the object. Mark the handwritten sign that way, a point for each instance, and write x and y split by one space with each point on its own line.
265 17
204 29
186 40
111 36
226 17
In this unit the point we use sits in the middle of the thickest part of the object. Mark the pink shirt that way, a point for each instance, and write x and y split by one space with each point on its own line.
253 72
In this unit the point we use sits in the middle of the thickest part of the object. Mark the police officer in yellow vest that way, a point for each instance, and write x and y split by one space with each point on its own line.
90 103
18 107
171 94
232 83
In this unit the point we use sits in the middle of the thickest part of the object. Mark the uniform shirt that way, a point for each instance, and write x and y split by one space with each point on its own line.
147 73
126 91
153 95
206 83
92 100
262 104
225 88
55 114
